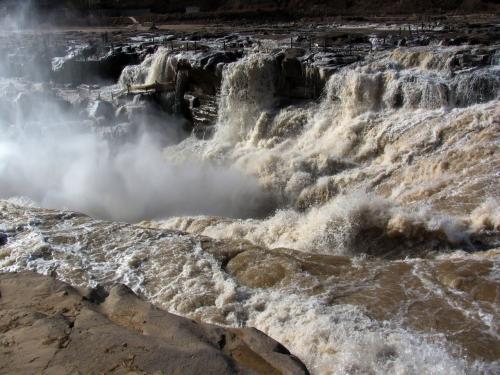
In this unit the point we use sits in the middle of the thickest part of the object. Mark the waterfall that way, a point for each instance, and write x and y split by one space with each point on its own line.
247 91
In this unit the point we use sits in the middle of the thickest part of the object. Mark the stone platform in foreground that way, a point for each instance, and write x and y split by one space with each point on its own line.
49 327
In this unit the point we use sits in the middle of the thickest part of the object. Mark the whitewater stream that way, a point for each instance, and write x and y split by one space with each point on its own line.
360 230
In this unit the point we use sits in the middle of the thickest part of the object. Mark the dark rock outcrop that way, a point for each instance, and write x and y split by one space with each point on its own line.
48 327
88 69
101 108
3 239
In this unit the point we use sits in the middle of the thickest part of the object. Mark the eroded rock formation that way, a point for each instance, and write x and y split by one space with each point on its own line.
48 327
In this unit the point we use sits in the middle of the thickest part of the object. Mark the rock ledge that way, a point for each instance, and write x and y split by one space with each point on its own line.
49 327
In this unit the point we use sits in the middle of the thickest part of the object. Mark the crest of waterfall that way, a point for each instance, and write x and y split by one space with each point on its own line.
385 87
380 127
425 58
162 69
247 91
403 80
136 74
157 67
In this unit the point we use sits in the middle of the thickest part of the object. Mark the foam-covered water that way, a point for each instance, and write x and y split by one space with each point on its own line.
386 190
184 274
389 150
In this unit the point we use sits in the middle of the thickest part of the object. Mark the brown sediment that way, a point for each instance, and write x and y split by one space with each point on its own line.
424 295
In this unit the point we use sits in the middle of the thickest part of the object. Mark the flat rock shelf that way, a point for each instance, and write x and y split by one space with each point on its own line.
49 327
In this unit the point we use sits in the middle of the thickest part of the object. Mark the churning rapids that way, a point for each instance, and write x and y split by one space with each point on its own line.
360 229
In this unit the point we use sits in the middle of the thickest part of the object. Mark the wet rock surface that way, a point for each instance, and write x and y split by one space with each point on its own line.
80 68
305 57
3 239
49 327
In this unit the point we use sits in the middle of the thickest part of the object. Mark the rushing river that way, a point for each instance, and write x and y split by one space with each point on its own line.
360 230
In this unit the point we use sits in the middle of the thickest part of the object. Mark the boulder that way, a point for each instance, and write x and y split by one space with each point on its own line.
3 239
49 327
102 108
84 69
292 69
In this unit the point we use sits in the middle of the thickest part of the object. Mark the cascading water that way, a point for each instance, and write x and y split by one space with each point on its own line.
386 191
396 160
247 90
161 69
156 68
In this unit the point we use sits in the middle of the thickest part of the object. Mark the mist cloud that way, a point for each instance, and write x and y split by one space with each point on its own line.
52 155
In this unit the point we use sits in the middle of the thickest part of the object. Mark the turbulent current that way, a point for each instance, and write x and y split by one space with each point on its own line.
361 230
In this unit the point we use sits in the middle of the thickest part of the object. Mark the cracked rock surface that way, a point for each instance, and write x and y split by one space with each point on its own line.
49 327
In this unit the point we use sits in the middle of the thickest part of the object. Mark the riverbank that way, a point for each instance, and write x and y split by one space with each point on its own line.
48 327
